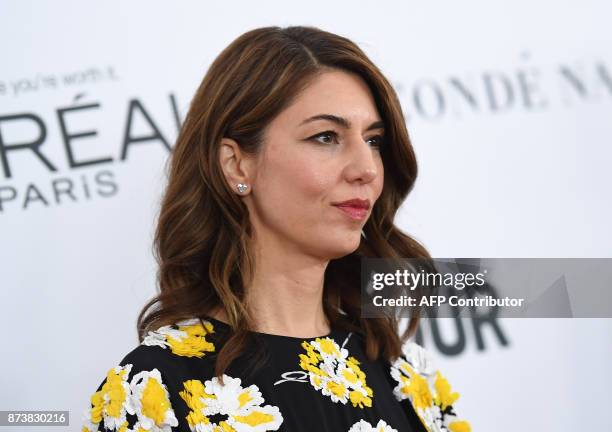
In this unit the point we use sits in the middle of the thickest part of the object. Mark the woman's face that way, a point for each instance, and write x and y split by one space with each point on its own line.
308 165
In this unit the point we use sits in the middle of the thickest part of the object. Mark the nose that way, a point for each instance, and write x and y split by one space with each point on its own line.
361 166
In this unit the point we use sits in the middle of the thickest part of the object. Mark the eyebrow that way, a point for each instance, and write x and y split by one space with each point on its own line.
341 121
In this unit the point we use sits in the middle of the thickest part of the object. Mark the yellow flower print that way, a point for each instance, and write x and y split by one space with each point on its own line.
329 347
418 389
195 397
444 396
337 391
112 402
242 406
185 338
459 426
335 374
151 403
428 391
144 397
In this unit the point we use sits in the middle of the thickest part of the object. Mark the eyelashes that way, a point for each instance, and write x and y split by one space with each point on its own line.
324 134
379 139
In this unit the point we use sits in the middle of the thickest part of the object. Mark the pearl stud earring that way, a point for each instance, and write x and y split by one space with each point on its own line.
242 187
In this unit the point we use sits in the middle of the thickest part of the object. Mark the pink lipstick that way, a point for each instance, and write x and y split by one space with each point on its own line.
356 208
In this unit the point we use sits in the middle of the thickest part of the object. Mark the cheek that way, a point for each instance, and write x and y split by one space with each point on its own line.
297 186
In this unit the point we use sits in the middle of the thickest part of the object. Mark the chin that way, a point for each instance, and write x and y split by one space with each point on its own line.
344 246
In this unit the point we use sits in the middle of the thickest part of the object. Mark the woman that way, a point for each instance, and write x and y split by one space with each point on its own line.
291 164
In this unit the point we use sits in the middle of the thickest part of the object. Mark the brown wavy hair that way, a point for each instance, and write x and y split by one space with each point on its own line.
203 236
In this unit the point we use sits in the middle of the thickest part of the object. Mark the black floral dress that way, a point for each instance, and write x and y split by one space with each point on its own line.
326 383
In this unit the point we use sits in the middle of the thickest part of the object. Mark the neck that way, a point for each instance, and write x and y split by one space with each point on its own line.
287 299
286 295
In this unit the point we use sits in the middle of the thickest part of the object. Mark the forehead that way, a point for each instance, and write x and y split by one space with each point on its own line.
340 93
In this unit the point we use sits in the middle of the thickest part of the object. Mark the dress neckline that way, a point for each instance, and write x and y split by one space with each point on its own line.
225 326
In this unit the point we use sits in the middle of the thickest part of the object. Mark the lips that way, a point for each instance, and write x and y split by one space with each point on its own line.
355 202
356 209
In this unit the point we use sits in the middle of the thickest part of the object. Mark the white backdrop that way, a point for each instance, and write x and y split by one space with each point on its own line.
509 109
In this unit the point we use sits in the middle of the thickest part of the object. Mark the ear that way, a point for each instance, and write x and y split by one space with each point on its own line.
235 165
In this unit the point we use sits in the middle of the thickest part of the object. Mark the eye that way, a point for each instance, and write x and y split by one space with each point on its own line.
379 140
326 134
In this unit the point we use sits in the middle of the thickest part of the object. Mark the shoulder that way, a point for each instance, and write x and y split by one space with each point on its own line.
188 338
140 391
419 381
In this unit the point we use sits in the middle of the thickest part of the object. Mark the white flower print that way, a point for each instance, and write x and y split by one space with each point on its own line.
242 406
111 403
364 426
151 402
186 338
335 374
145 397
419 358
432 418
427 390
